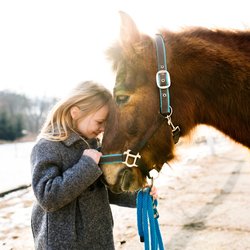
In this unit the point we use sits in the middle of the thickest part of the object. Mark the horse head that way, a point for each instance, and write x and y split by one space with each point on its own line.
210 79
135 125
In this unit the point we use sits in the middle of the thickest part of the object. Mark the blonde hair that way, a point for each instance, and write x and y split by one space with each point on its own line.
87 96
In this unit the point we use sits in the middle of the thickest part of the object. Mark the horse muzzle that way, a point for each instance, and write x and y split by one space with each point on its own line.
129 180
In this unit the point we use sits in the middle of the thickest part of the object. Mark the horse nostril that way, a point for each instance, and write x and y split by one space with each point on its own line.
127 177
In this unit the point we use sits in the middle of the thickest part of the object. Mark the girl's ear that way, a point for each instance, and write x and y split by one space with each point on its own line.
75 112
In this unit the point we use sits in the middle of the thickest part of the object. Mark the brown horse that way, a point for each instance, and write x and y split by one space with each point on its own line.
210 84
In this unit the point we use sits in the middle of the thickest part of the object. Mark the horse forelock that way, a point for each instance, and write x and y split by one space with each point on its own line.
139 55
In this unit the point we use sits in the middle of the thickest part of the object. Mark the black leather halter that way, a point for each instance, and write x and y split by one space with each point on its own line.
163 83
132 158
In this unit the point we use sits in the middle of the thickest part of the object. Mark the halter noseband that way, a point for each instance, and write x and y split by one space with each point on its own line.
130 158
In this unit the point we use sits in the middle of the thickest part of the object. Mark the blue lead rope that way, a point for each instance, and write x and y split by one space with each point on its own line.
147 217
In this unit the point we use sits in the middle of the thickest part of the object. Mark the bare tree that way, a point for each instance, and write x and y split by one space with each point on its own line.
22 113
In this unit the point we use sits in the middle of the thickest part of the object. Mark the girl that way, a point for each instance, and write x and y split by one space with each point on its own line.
72 208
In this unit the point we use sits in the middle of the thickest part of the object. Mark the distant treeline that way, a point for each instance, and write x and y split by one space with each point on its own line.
20 115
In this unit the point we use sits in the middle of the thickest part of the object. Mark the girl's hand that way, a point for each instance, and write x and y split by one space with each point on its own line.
94 154
154 193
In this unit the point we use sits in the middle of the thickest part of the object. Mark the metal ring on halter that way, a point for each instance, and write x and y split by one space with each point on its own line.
170 121
153 174
171 111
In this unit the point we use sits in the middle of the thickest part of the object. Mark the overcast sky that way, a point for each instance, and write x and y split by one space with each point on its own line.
48 46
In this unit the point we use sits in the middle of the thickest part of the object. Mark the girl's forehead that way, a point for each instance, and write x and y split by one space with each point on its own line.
102 112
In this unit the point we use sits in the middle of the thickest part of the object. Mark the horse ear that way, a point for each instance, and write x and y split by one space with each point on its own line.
128 30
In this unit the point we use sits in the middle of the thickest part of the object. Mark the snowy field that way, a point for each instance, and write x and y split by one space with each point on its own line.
15 165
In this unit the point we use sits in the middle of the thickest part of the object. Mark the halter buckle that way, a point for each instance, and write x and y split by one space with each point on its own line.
128 158
160 80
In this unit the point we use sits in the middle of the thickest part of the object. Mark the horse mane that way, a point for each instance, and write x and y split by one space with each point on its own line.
237 39
233 39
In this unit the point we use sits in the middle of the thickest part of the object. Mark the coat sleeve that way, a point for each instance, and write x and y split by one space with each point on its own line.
54 188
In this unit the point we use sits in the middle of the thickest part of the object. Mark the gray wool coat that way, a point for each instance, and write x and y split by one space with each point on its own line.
72 208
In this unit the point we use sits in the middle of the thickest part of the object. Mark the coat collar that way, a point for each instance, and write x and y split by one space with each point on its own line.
74 137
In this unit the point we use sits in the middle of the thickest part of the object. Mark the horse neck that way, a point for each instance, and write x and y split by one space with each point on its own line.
207 87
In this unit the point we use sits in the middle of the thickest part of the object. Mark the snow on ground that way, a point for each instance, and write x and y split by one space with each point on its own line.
15 165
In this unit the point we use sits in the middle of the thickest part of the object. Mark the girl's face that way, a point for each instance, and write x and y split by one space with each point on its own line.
92 125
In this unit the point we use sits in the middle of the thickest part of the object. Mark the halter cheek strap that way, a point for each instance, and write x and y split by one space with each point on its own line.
163 83
162 75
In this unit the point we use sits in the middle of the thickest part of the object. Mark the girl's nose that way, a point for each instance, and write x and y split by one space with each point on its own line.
102 128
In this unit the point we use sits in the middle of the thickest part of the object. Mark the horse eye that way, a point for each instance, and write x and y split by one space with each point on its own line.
121 99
